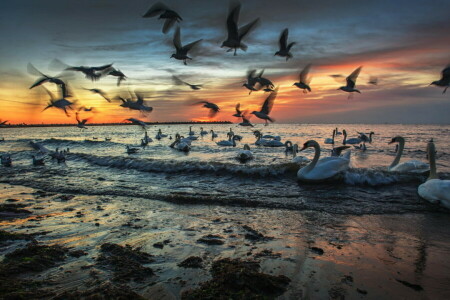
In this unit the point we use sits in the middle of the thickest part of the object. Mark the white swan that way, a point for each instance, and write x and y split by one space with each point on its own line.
132 150
181 144
338 132
259 140
435 190
190 131
325 169
414 166
330 140
245 154
203 132
298 159
213 134
351 141
230 142
273 143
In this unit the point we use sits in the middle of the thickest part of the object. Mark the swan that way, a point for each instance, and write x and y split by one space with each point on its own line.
414 166
230 142
273 143
182 139
325 169
274 137
366 138
38 161
352 141
6 160
213 134
259 140
245 154
190 131
338 132
297 159
435 190
336 152
330 140
132 150
203 132
361 147
289 147
180 144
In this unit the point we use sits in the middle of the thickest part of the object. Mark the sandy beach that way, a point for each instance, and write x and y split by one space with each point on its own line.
159 250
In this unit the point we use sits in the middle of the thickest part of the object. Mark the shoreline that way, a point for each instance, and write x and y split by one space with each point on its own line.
324 255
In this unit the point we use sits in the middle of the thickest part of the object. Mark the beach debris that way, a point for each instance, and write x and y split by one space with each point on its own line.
192 262
317 250
211 239
413 286
254 235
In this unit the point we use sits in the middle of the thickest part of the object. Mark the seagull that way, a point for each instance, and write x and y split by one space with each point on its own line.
236 34
251 81
267 107
137 122
264 83
45 78
62 103
373 80
213 108
3 122
136 105
238 113
84 108
351 81
117 73
81 123
92 73
445 79
164 13
284 47
304 80
246 120
178 81
100 92
182 51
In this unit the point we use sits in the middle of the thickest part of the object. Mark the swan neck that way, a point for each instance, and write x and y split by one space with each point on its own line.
401 146
432 161
313 163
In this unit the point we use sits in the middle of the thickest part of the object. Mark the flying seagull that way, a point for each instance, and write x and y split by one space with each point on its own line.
92 73
351 82
373 80
246 120
284 47
182 51
238 113
136 105
267 107
81 123
213 108
170 16
45 78
304 80
117 73
137 122
252 80
100 92
178 81
3 122
445 79
236 34
61 103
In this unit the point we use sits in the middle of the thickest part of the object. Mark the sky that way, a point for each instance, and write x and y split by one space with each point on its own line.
405 44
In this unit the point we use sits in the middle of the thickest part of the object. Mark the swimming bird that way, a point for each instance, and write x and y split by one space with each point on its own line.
245 154
62 103
146 139
330 140
266 107
137 122
351 141
285 48
116 73
361 147
328 168
81 123
230 142
164 12
182 51
159 135
178 81
180 145
288 147
434 190
136 105
203 132
413 166
304 80
6 160
92 73
260 141
100 92
38 161
213 134
190 131
131 150
445 79
336 151
213 108
351 82
338 132
297 159
236 34
366 138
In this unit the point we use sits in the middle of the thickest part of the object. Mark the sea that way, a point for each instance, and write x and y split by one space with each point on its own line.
97 163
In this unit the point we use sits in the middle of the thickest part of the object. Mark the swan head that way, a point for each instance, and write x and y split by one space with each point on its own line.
435 83
308 144
246 147
396 139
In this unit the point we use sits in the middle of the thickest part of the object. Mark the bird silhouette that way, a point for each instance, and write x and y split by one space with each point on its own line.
164 12
445 79
351 82
213 108
101 93
304 80
267 107
178 81
285 48
182 51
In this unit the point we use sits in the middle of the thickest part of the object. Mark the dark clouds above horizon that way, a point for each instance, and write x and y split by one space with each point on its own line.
405 43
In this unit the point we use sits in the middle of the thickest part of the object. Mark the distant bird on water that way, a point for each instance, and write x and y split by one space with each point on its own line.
164 12
304 80
213 108
100 92
182 51
285 48
267 107
445 79
236 34
351 82
178 81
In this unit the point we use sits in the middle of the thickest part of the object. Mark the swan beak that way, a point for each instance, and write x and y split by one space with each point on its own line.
303 148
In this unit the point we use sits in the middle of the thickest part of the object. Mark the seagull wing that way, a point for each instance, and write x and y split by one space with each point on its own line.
351 79
304 74
268 103
39 82
101 68
191 45
52 97
238 111
446 74
140 98
283 39
156 9
33 71
168 24
177 80
232 20
177 39
244 30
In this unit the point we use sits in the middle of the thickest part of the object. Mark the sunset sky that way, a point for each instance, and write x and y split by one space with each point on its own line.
405 44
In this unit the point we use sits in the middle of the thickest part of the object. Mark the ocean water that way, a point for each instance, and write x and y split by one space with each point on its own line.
210 174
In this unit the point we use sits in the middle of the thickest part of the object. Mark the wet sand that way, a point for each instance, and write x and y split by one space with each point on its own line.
324 255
